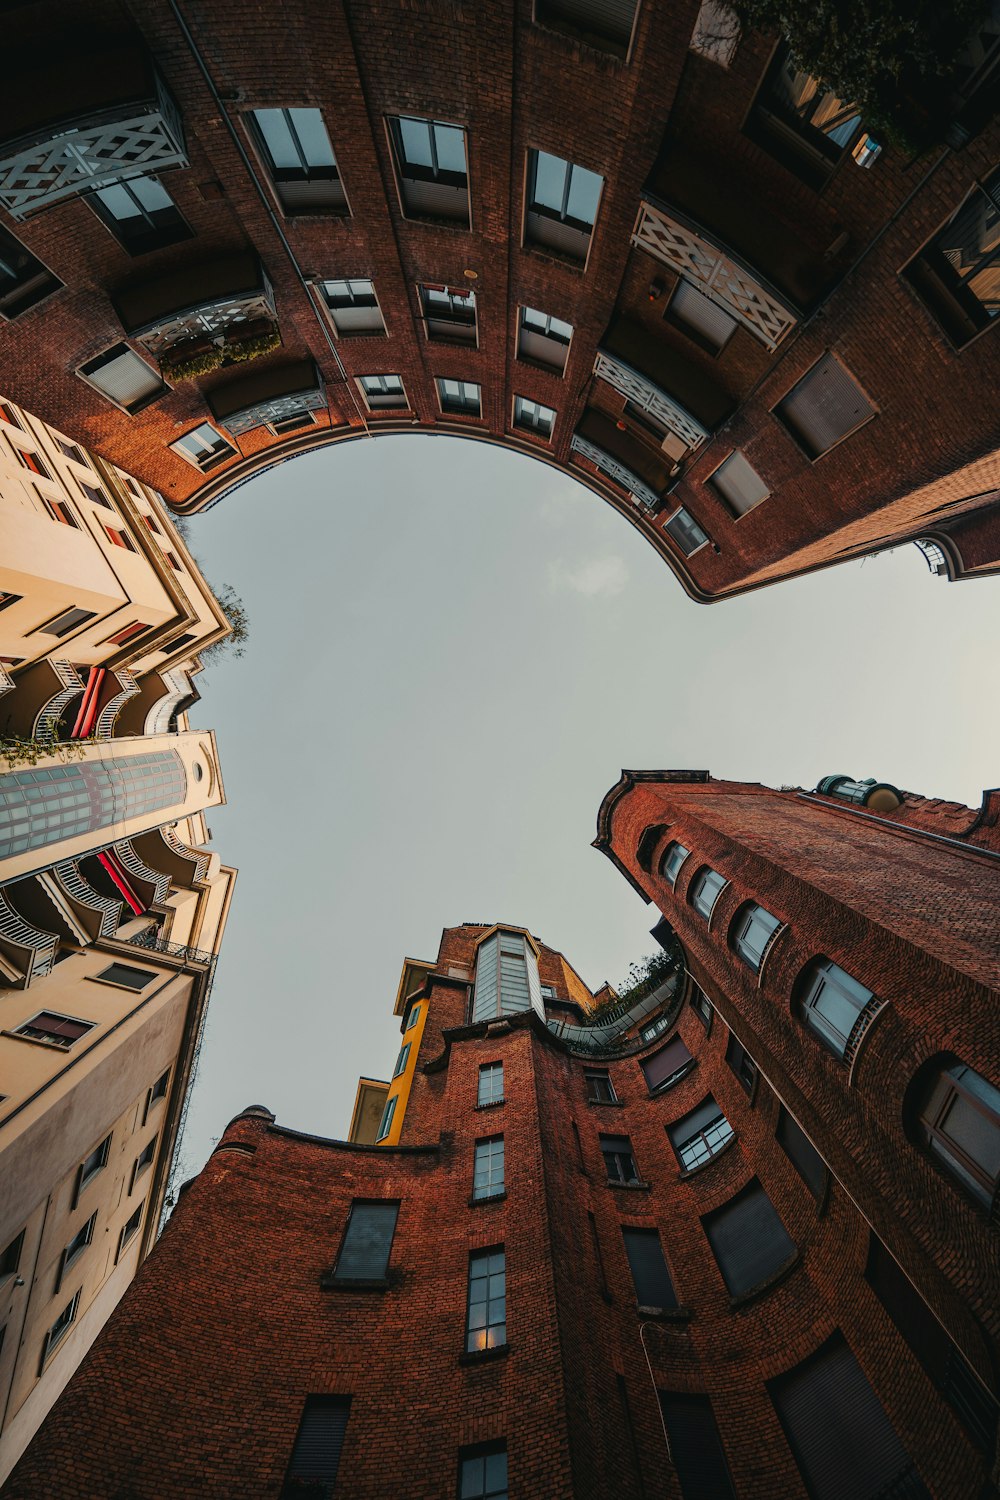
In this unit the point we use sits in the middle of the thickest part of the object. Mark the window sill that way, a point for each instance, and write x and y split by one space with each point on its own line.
668 1083
605 1103
492 1104
488 1198
767 1285
630 1187
555 257
330 1283
684 1175
664 1314
483 1356
37 1041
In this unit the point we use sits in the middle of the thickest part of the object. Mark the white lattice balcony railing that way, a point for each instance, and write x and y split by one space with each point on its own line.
715 271
104 727
107 912
141 871
636 487
32 950
209 301
114 140
270 397
48 717
6 681
178 687
933 556
647 395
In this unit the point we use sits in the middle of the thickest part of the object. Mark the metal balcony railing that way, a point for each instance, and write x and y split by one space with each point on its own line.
648 396
933 556
82 894
178 686
104 727
606 1034
34 951
47 719
138 868
637 488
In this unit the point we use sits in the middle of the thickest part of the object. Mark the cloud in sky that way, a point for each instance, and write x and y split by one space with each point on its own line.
598 578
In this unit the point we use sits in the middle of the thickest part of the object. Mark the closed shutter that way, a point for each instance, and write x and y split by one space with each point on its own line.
358 320
558 235
738 484
801 1153
436 199
546 350
665 1063
842 1440
696 1448
603 18
824 407
693 310
312 195
364 1255
653 1287
748 1239
61 1026
123 377
319 1443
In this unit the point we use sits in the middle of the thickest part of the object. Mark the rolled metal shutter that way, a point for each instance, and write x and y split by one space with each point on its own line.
824 407
665 1063
739 484
319 1441
748 1239
696 1448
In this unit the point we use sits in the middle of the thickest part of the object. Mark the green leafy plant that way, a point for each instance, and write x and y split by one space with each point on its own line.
190 358
16 751
646 975
235 643
236 351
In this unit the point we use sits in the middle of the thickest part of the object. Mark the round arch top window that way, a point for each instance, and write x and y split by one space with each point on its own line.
199 771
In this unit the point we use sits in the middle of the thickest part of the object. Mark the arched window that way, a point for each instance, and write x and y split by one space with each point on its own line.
751 932
705 889
830 1002
956 1113
673 857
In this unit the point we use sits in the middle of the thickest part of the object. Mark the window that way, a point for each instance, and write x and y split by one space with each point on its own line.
803 124
650 1277
654 1029
801 1152
490 1083
124 378
140 214
482 1472
402 1059
57 509
120 538
563 199
543 340
431 168
11 1257
97 495
831 1002
364 1253
752 931
673 857
385 1124
71 450
151 525
159 1089
143 1161
460 398
93 1164
702 1008
665 1066
506 977
413 1017
487 1176
7 413
291 423
748 1240
741 1064
24 281
353 308
449 313
66 622
957 274
696 1448
129 1230
974 1405
171 561
959 1122
60 1327
703 320
599 1087
618 1159
700 1135
737 485
705 891
605 27
685 531
533 417
825 406
826 1395
383 392
78 1244
57 1030
319 1442
486 1319
299 157
126 976
204 447
33 461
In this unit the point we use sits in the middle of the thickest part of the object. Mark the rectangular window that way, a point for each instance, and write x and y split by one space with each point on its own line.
353 308
700 1135
77 1244
72 451
654 1029
748 1240
151 525
171 561
204 447
696 1448
364 1253
490 1083
7 413
705 891
120 538
66 622
650 1277
737 485
702 1009
57 509
143 1161
97 495
801 1152
319 1442
825 406
402 1060
383 392
140 214
159 1089
755 927
618 1159
543 340
482 1472
385 1124
127 633
957 274
460 398
291 423
603 24
741 1064
93 1164
486 1318
123 378
60 1327
488 1174
563 200
666 1065
704 321
600 1089
10 1260
533 416
33 461
24 281
299 157
413 1017
685 531
803 124
129 1231
449 313
59 1031
831 1002
670 865
431 168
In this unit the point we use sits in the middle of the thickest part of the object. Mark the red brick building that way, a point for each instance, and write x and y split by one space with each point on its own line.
666 263
666 1245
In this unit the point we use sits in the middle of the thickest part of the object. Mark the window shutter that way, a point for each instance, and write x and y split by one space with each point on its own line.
312 194
739 484
546 350
824 407
124 377
665 1063
690 1124
557 234
319 1442
696 1448
364 1255
695 310
604 18
653 1287
748 1240
801 1152
842 1440
436 199
61 1025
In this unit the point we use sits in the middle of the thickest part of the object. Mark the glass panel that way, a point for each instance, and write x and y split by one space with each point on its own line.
313 137
118 202
584 194
278 137
416 138
974 1133
450 142
550 181
150 193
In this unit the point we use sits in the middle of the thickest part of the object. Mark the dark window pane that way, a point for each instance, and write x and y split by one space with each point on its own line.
318 1446
665 1064
364 1255
696 1448
748 1240
653 1287
124 974
801 1152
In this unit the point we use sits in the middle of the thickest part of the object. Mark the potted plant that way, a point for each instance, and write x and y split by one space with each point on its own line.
251 341
189 358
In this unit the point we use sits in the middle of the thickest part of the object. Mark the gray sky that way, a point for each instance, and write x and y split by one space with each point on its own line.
453 653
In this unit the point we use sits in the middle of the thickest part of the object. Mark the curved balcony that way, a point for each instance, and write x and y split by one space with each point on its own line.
210 302
622 459
272 396
149 883
162 849
29 952
6 681
659 380
99 915
41 695
609 1032
159 696
77 123
104 724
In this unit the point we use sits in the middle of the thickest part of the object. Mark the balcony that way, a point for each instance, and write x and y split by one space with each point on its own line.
81 122
98 915
160 696
653 376
193 320
162 849
26 952
41 696
119 687
623 460
275 395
